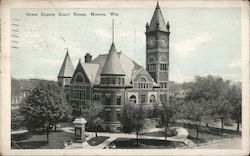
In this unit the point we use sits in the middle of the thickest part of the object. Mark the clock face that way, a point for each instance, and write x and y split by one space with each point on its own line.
151 41
163 41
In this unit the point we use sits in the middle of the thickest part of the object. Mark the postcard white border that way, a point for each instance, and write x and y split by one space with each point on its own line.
5 75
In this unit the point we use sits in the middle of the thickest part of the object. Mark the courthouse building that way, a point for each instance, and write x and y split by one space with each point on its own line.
114 79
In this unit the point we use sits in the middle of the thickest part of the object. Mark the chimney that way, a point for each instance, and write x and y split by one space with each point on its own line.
88 58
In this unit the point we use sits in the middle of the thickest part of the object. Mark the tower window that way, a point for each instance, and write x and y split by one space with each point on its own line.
151 67
163 66
119 80
122 80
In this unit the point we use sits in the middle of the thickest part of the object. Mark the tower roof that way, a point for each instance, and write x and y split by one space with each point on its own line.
67 68
112 65
157 21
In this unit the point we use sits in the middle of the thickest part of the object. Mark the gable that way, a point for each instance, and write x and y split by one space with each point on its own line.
142 76
80 70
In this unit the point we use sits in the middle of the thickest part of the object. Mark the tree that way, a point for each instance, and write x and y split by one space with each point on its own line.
236 101
128 117
132 118
93 115
43 107
195 112
213 91
168 112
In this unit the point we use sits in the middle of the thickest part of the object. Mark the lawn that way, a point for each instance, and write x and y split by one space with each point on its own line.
97 140
56 141
128 143
170 133
210 134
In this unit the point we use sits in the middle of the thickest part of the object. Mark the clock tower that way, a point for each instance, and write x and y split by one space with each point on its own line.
157 49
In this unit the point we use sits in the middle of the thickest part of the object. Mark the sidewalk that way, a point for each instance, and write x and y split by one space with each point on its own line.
181 137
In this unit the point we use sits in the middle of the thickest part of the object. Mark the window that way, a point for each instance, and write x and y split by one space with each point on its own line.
67 96
151 59
163 59
108 115
143 79
151 67
107 100
119 80
113 80
152 98
119 115
79 78
132 99
143 99
163 66
118 100
79 92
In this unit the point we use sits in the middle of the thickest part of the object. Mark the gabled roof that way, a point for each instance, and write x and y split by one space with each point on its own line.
157 19
67 68
91 71
135 72
112 64
127 65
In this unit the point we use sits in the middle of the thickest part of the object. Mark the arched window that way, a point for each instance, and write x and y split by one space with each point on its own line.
151 59
152 98
132 99
163 59
79 78
143 79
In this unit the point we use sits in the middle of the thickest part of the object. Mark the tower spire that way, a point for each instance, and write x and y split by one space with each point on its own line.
113 27
157 5
157 21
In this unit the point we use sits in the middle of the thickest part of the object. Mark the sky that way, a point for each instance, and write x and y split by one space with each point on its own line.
202 40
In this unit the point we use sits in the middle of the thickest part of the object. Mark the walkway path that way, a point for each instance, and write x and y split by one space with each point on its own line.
181 136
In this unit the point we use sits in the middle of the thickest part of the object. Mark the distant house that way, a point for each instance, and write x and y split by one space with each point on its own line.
114 79
16 100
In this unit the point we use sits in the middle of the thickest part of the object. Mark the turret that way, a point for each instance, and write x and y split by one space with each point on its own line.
66 71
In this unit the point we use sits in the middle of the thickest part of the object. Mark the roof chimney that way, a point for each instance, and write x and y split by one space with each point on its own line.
88 58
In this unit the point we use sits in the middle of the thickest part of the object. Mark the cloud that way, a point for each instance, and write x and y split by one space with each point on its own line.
235 63
191 45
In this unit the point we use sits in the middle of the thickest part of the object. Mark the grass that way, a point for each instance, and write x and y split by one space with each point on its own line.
170 133
209 134
128 143
97 140
56 141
